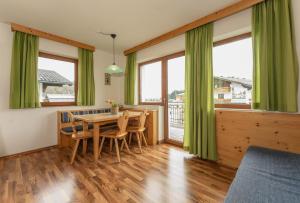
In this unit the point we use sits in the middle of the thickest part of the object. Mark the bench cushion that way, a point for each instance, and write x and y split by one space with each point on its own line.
266 175
69 130
65 115
78 128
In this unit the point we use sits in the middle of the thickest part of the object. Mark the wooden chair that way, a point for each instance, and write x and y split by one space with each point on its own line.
77 136
117 134
138 130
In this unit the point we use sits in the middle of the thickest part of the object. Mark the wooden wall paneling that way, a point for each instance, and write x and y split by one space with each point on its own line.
236 130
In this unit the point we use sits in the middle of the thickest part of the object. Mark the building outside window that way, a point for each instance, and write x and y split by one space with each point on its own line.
57 77
233 61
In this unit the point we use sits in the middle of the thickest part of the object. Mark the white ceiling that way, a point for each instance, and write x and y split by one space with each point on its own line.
135 21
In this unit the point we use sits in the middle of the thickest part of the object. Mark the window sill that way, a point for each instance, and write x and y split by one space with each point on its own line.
53 104
233 106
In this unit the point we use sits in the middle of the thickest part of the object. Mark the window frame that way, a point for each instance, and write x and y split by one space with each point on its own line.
182 53
227 41
66 59
164 79
140 86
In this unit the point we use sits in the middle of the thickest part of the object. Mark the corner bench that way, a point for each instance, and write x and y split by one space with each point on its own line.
64 124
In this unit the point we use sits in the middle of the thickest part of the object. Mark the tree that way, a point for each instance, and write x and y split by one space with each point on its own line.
175 93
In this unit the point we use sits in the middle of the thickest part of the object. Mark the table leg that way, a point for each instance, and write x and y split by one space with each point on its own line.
96 135
85 131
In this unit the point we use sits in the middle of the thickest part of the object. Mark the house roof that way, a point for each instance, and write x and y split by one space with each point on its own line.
52 77
243 81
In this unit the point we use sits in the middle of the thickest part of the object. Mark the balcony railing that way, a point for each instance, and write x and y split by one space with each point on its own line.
176 114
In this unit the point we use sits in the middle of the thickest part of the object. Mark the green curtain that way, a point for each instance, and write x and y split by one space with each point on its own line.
24 90
275 85
86 84
130 75
199 123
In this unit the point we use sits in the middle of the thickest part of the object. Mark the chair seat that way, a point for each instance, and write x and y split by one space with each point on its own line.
135 129
112 133
80 135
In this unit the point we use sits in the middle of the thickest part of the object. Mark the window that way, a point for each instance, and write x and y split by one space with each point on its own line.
232 61
57 78
150 82
162 82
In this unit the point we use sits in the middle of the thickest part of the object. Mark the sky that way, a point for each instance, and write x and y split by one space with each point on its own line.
229 60
66 69
151 81
234 59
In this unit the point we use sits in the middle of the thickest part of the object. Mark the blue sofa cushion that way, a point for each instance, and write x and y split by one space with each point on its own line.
64 117
266 175
78 128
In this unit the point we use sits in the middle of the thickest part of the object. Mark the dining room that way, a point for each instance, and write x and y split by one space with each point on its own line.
149 101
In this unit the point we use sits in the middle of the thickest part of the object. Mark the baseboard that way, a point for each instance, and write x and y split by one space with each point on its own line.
28 152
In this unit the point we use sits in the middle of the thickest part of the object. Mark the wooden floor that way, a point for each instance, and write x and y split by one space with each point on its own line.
161 174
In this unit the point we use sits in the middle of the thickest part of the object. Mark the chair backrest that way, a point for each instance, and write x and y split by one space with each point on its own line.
122 123
142 119
72 121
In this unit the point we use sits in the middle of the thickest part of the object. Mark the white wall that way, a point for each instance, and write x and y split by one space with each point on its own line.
23 130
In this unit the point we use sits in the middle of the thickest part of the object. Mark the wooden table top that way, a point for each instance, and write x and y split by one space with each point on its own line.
93 118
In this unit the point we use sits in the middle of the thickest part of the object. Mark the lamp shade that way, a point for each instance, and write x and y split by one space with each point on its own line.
113 69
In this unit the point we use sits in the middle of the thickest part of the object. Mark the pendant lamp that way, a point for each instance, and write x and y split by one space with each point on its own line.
113 68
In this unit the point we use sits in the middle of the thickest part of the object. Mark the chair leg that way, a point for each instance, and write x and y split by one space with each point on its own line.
84 146
144 138
130 136
117 149
126 145
110 144
101 146
122 144
74 151
139 141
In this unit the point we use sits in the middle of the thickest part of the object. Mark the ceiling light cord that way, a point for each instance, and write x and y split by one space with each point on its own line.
114 50
113 36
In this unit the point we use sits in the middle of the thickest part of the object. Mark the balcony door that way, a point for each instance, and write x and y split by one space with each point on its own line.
161 82
174 105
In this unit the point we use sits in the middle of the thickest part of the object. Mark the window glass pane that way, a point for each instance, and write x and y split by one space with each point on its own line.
150 76
176 78
233 72
56 80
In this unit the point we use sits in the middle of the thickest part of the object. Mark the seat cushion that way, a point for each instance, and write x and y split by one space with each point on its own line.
65 117
266 175
69 130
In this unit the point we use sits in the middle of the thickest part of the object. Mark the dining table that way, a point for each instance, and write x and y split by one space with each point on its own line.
98 120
